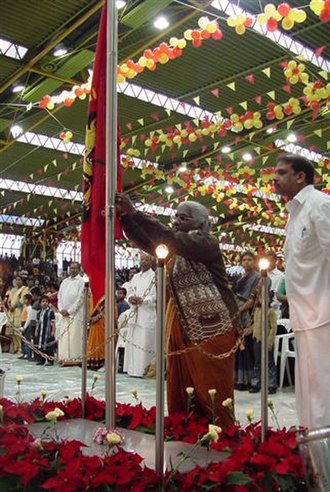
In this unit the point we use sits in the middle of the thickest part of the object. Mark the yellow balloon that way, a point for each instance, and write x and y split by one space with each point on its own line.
248 124
300 16
173 41
205 131
192 137
262 19
120 78
187 34
301 67
293 15
182 43
294 79
136 152
238 126
131 74
124 68
304 77
241 19
177 139
142 61
231 21
184 133
287 23
288 73
163 58
240 29
211 27
257 115
168 142
234 118
203 22
162 137
148 142
292 64
296 110
257 124
270 10
50 105
150 63
316 6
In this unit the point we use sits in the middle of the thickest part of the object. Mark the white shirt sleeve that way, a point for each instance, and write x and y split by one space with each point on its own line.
322 227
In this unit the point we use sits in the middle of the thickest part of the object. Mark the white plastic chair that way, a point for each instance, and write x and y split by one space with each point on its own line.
284 354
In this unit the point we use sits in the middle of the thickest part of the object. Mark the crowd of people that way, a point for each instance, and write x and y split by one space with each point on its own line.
213 315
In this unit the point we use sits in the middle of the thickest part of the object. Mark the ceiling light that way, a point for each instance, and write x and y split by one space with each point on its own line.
169 189
291 138
161 23
226 149
272 129
247 157
60 50
16 130
182 169
120 4
18 88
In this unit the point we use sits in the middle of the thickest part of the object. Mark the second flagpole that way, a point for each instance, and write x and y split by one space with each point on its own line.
111 179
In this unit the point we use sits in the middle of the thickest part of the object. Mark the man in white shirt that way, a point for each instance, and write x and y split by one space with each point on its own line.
307 251
70 306
140 341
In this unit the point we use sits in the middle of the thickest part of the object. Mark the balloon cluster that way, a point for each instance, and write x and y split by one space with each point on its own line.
295 73
66 136
240 23
321 8
272 15
315 93
248 121
165 52
66 97
279 111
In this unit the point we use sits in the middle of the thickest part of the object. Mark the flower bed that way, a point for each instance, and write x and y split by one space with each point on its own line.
33 465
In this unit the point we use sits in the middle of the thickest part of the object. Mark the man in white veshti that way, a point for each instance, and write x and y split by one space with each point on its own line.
70 305
142 326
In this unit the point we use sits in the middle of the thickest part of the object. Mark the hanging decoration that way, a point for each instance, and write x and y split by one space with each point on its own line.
321 8
284 13
240 23
295 73
66 136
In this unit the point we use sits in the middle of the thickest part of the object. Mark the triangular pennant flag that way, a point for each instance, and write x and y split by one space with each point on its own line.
232 86
129 126
215 92
231 156
289 124
271 94
244 105
324 74
168 111
229 110
328 144
250 78
185 152
265 159
141 121
287 88
45 167
266 71
216 145
258 99
197 100
251 135
257 149
318 132
318 51
133 139
54 162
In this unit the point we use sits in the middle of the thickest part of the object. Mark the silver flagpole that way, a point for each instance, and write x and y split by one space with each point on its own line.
111 179
264 347
84 346
161 252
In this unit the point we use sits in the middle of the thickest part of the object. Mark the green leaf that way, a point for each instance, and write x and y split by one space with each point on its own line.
237 478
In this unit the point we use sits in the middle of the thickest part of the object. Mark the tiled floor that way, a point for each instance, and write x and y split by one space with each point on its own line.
60 382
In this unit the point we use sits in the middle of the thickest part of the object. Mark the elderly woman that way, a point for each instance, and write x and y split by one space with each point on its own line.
202 314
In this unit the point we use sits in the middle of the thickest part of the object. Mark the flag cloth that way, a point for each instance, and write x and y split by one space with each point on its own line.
94 171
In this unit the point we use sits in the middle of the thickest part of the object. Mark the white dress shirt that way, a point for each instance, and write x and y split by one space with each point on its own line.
70 294
307 250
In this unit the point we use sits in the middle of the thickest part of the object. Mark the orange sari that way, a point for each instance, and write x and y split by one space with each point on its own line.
96 338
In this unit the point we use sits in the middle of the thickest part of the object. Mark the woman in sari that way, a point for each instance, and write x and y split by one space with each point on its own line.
95 340
202 314
244 288
15 304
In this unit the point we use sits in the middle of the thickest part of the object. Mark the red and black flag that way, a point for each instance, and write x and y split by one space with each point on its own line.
94 173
